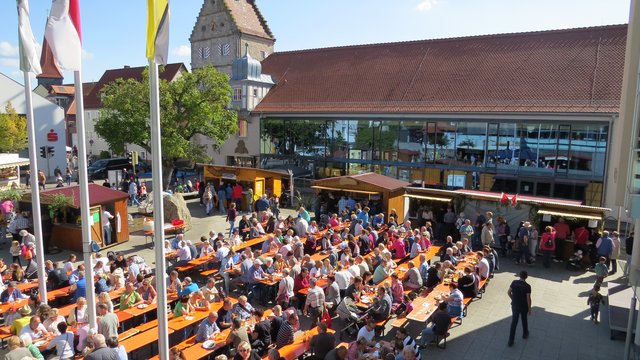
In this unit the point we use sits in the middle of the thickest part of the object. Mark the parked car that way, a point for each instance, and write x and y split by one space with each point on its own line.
100 168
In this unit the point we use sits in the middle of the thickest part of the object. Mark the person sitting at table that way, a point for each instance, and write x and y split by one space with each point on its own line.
174 285
310 245
11 293
79 318
225 314
210 291
208 328
175 353
100 284
79 287
467 283
27 342
120 351
482 268
454 300
397 290
441 322
105 298
242 309
261 334
448 256
206 249
35 329
286 332
16 350
256 275
301 281
130 297
184 254
354 289
381 308
53 318
412 279
183 307
368 333
313 228
198 302
188 287
99 349
147 292
381 272
237 334
17 273
63 342
357 349
245 352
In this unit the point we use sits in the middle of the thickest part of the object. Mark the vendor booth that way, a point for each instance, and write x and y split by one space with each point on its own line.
66 232
260 180
10 170
512 208
382 193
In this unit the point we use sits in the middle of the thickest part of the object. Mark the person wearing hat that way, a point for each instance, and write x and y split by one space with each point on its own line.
27 238
256 274
18 324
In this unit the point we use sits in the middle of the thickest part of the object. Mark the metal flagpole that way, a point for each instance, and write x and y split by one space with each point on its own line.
158 211
84 200
35 189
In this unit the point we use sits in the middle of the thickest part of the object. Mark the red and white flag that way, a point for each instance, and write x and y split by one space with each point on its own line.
514 200
63 34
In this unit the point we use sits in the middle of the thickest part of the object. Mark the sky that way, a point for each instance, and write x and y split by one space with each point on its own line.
114 31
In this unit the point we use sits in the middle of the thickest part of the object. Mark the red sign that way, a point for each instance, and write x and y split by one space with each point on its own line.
52 135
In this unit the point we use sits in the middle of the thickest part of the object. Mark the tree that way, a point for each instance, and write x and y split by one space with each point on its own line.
194 104
13 128
290 137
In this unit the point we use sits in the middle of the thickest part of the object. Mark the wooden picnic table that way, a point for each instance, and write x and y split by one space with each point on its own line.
300 344
142 339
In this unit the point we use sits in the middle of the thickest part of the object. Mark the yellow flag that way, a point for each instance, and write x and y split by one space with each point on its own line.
158 30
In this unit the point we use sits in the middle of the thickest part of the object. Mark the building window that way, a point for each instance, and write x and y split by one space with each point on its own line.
203 28
255 92
224 49
237 94
243 128
263 54
205 52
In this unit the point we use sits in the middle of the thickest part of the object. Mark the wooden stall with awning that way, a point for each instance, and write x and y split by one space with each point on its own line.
262 181
66 231
371 186
10 170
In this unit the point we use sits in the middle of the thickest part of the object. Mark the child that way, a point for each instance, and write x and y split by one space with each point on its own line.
601 270
594 300
16 251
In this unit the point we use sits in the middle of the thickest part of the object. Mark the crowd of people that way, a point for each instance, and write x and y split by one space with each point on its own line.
255 296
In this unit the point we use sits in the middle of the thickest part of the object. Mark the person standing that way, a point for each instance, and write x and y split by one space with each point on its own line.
231 217
562 233
106 226
548 245
615 252
520 294
604 247
222 198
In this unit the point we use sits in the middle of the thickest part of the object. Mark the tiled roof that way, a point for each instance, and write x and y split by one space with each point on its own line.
574 70
86 89
63 89
92 100
49 68
98 194
248 19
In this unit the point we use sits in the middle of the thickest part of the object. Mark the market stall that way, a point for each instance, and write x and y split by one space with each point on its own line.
261 181
382 193
63 206
10 170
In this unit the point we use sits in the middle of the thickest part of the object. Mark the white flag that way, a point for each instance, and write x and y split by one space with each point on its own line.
63 34
29 61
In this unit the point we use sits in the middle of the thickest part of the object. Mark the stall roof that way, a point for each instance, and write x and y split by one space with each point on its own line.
231 169
12 160
97 194
383 183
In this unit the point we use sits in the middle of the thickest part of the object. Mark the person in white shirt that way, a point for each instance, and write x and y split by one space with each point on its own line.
35 329
285 289
63 342
106 226
354 269
483 265
205 249
343 278
184 253
368 332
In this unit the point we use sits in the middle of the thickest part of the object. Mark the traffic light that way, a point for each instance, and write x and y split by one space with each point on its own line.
43 152
134 158
128 155
50 151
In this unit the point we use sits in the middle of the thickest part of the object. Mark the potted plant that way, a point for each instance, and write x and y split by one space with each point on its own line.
57 204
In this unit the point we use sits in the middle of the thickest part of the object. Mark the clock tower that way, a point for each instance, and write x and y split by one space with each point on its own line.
222 29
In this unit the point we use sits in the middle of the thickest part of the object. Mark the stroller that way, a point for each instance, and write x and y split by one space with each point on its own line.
349 314
576 261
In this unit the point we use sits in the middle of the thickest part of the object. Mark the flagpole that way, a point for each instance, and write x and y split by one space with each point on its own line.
85 214
35 189
158 211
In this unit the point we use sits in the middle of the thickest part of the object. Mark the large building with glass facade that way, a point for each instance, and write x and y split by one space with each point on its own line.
527 113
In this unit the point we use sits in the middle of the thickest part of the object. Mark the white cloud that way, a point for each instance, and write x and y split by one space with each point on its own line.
9 62
86 55
8 50
181 51
426 5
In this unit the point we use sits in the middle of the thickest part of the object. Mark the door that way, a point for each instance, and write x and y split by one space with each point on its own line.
96 226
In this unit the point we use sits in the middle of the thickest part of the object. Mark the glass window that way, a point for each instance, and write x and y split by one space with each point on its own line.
237 94
243 128
411 142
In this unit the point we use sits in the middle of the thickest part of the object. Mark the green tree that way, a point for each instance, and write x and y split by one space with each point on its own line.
13 128
290 137
194 104
382 137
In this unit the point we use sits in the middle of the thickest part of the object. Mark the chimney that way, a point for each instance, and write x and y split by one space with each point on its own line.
127 66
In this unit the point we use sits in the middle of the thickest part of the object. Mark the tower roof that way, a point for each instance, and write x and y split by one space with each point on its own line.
248 19
49 68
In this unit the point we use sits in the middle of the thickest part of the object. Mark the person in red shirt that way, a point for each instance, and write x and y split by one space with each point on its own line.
548 245
301 282
236 195
563 232
581 236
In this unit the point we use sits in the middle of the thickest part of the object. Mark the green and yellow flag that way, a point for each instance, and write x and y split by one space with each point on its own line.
158 30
